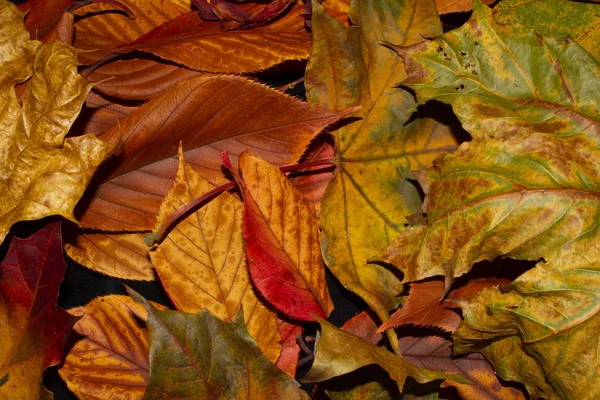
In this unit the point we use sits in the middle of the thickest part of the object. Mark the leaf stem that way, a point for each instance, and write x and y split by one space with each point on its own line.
310 164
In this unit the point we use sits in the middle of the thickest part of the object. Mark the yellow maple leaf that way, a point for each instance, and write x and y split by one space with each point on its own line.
41 172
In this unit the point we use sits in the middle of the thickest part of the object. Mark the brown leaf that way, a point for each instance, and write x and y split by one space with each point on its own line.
364 326
451 6
111 358
434 352
209 114
99 115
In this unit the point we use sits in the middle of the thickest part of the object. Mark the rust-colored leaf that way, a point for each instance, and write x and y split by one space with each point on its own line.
204 46
290 350
282 242
202 264
434 352
111 359
424 306
364 326
209 114
452 6
32 330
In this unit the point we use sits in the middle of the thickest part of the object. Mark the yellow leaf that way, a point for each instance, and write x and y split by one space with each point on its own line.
122 256
202 263
42 173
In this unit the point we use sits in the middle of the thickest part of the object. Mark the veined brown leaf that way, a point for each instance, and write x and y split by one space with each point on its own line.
99 114
120 255
282 242
209 114
111 359
365 204
204 46
579 21
42 172
332 358
182 365
364 326
202 263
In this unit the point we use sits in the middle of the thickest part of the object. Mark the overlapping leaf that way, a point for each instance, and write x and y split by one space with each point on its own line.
332 358
527 188
202 263
365 205
111 359
282 242
579 21
209 114
290 350
42 172
32 330
452 6
182 364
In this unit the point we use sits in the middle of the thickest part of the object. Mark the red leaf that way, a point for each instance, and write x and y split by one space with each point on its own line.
290 350
30 276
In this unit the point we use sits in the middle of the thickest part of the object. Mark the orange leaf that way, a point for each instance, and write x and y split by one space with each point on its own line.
434 352
364 326
282 242
425 308
290 350
202 264
204 46
209 114
99 114
451 6
111 360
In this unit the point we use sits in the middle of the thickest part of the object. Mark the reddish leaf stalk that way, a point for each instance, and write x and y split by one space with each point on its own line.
183 212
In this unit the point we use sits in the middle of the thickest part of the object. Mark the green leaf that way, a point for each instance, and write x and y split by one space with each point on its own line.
375 152
202 357
557 18
338 352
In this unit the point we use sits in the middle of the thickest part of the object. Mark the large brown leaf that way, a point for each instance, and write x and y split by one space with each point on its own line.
209 114
32 330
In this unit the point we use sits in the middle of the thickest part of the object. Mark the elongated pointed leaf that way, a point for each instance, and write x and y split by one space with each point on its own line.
209 114
202 263
32 330
111 359
42 173
577 20
332 358
282 242
200 356
365 204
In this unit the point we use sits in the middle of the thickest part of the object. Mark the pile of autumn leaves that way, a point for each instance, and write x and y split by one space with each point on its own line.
172 110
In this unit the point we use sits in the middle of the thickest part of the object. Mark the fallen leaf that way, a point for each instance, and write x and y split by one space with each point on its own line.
122 256
364 326
110 360
282 242
557 18
32 330
332 359
203 46
434 352
452 6
42 172
290 350
365 204
182 366
209 114
424 306
202 263
99 115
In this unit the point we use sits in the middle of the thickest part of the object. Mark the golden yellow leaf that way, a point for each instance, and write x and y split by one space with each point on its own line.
42 173
202 263
122 256
111 360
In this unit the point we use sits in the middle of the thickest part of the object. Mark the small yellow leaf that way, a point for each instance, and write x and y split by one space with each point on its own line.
202 263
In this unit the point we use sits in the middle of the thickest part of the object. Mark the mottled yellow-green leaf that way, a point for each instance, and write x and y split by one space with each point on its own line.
41 173
365 205
202 262
338 352
558 18
200 356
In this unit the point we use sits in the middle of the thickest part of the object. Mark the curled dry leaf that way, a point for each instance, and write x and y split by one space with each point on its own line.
202 263
282 242
524 188
370 181
208 114
43 173
32 330
111 359
182 364
332 359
